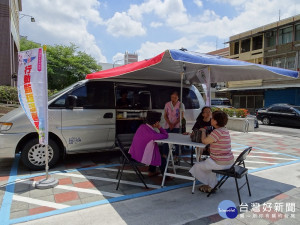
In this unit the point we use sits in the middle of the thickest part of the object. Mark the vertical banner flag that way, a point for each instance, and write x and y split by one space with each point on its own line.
33 90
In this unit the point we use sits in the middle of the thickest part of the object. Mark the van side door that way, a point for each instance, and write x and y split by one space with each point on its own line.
91 123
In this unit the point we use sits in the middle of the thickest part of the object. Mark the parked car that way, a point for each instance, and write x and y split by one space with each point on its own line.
220 103
283 114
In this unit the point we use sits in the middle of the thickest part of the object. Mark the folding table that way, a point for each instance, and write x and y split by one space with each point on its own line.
184 140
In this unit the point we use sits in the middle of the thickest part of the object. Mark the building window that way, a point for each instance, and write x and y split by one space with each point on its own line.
290 63
246 45
297 32
236 48
270 38
257 42
250 102
285 35
284 62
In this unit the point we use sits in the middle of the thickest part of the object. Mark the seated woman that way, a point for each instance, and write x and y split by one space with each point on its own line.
143 148
221 156
204 121
204 118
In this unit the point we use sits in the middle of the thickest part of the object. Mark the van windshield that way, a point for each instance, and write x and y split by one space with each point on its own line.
64 90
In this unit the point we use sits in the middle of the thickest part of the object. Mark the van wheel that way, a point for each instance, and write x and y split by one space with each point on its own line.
33 154
266 121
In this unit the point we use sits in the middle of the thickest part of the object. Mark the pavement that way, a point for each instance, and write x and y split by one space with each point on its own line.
87 193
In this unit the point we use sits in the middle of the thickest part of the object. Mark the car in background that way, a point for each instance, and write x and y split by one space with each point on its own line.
283 114
220 103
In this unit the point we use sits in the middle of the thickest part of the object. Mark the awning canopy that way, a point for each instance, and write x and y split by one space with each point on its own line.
196 67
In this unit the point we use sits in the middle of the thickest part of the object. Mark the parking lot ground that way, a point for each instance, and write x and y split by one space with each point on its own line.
90 180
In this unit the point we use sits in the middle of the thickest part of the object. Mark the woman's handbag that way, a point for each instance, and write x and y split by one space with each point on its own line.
196 136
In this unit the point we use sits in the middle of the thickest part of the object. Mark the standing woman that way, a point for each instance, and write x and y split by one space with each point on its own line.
221 156
172 118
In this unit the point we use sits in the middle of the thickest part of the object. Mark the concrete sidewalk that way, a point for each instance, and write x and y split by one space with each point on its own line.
272 187
278 185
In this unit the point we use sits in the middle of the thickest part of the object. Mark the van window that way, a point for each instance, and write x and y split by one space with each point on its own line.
161 95
93 95
137 97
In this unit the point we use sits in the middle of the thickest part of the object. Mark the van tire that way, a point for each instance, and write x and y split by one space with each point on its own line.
33 154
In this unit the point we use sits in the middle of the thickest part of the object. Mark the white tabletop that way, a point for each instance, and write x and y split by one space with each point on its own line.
180 139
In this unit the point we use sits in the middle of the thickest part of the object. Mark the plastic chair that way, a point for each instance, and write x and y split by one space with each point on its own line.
237 170
128 160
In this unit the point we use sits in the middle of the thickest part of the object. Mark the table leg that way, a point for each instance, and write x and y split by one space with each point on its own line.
192 155
166 168
199 152
172 158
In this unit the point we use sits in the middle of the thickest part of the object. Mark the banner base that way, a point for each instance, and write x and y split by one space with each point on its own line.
46 183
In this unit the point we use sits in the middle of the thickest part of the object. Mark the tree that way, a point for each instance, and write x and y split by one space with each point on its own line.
65 64
26 44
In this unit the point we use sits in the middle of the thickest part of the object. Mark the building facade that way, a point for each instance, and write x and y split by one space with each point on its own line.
9 40
276 44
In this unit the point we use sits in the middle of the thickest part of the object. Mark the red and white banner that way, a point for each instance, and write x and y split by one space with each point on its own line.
33 90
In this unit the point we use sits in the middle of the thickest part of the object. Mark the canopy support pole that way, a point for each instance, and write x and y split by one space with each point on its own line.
181 107
208 89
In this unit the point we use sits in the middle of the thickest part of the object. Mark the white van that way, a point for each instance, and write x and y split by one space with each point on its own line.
84 117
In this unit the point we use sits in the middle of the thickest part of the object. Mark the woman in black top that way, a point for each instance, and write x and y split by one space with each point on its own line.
203 121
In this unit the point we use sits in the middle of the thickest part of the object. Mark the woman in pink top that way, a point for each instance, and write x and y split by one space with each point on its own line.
144 149
172 118
221 156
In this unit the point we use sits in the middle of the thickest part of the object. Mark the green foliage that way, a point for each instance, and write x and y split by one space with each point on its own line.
8 94
52 92
241 113
65 64
215 109
230 112
26 44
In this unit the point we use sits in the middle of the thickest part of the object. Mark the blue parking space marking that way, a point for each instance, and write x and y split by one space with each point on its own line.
273 166
9 192
67 171
8 197
102 202
265 150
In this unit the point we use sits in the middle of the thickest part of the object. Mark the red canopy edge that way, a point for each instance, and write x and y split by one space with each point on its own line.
118 71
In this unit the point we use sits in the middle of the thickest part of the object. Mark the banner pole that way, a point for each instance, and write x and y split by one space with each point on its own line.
48 182
46 162
47 147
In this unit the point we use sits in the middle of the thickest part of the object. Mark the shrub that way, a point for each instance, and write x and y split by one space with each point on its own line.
241 113
8 94
215 109
230 112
